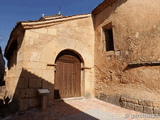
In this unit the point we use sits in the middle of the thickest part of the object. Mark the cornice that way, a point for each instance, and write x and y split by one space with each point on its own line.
45 23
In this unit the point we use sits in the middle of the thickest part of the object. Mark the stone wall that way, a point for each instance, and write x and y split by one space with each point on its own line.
140 105
132 69
40 47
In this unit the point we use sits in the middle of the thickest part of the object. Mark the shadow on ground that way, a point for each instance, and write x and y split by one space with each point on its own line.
26 103
58 111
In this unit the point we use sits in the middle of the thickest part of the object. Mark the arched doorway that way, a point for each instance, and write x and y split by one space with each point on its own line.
67 75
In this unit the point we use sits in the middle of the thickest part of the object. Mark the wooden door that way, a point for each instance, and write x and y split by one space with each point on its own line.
67 77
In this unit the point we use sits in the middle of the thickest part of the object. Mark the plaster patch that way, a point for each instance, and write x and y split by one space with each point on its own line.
34 56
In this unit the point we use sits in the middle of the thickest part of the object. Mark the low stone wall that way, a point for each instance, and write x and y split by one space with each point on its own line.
143 106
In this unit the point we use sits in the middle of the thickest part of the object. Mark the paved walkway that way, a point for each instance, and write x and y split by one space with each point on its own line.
82 109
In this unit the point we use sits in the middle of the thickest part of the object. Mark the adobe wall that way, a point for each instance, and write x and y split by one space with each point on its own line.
42 45
129 75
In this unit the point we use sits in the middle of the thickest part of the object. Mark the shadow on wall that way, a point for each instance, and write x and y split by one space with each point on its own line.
26 92
11 54
26 97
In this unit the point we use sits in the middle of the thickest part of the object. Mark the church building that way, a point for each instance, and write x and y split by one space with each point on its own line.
111 54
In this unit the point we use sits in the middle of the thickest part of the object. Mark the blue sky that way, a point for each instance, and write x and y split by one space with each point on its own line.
12 11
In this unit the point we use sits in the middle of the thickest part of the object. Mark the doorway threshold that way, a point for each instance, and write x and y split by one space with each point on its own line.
71 98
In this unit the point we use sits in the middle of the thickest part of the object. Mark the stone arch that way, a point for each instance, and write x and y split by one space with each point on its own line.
75 52
68 75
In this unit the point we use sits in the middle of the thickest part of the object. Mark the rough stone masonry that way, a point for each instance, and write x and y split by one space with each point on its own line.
118 46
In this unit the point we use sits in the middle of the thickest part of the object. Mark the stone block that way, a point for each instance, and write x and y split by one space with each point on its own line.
123 104
123 99
34 56
114 99
23 83
47 85
18 71
28 93
31 34
35 83
132 100
33 65
23 104
34 102
31 41
148 110
129 105
52 31
145 103
140 102
39 73
148 103
20 58
138 108
156 111
156 104
41 30
43 36
48 75
27 74
102 97
2 89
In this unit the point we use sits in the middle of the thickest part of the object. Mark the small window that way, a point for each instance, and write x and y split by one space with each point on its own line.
108 38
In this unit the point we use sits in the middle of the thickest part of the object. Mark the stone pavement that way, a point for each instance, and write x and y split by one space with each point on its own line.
81 109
